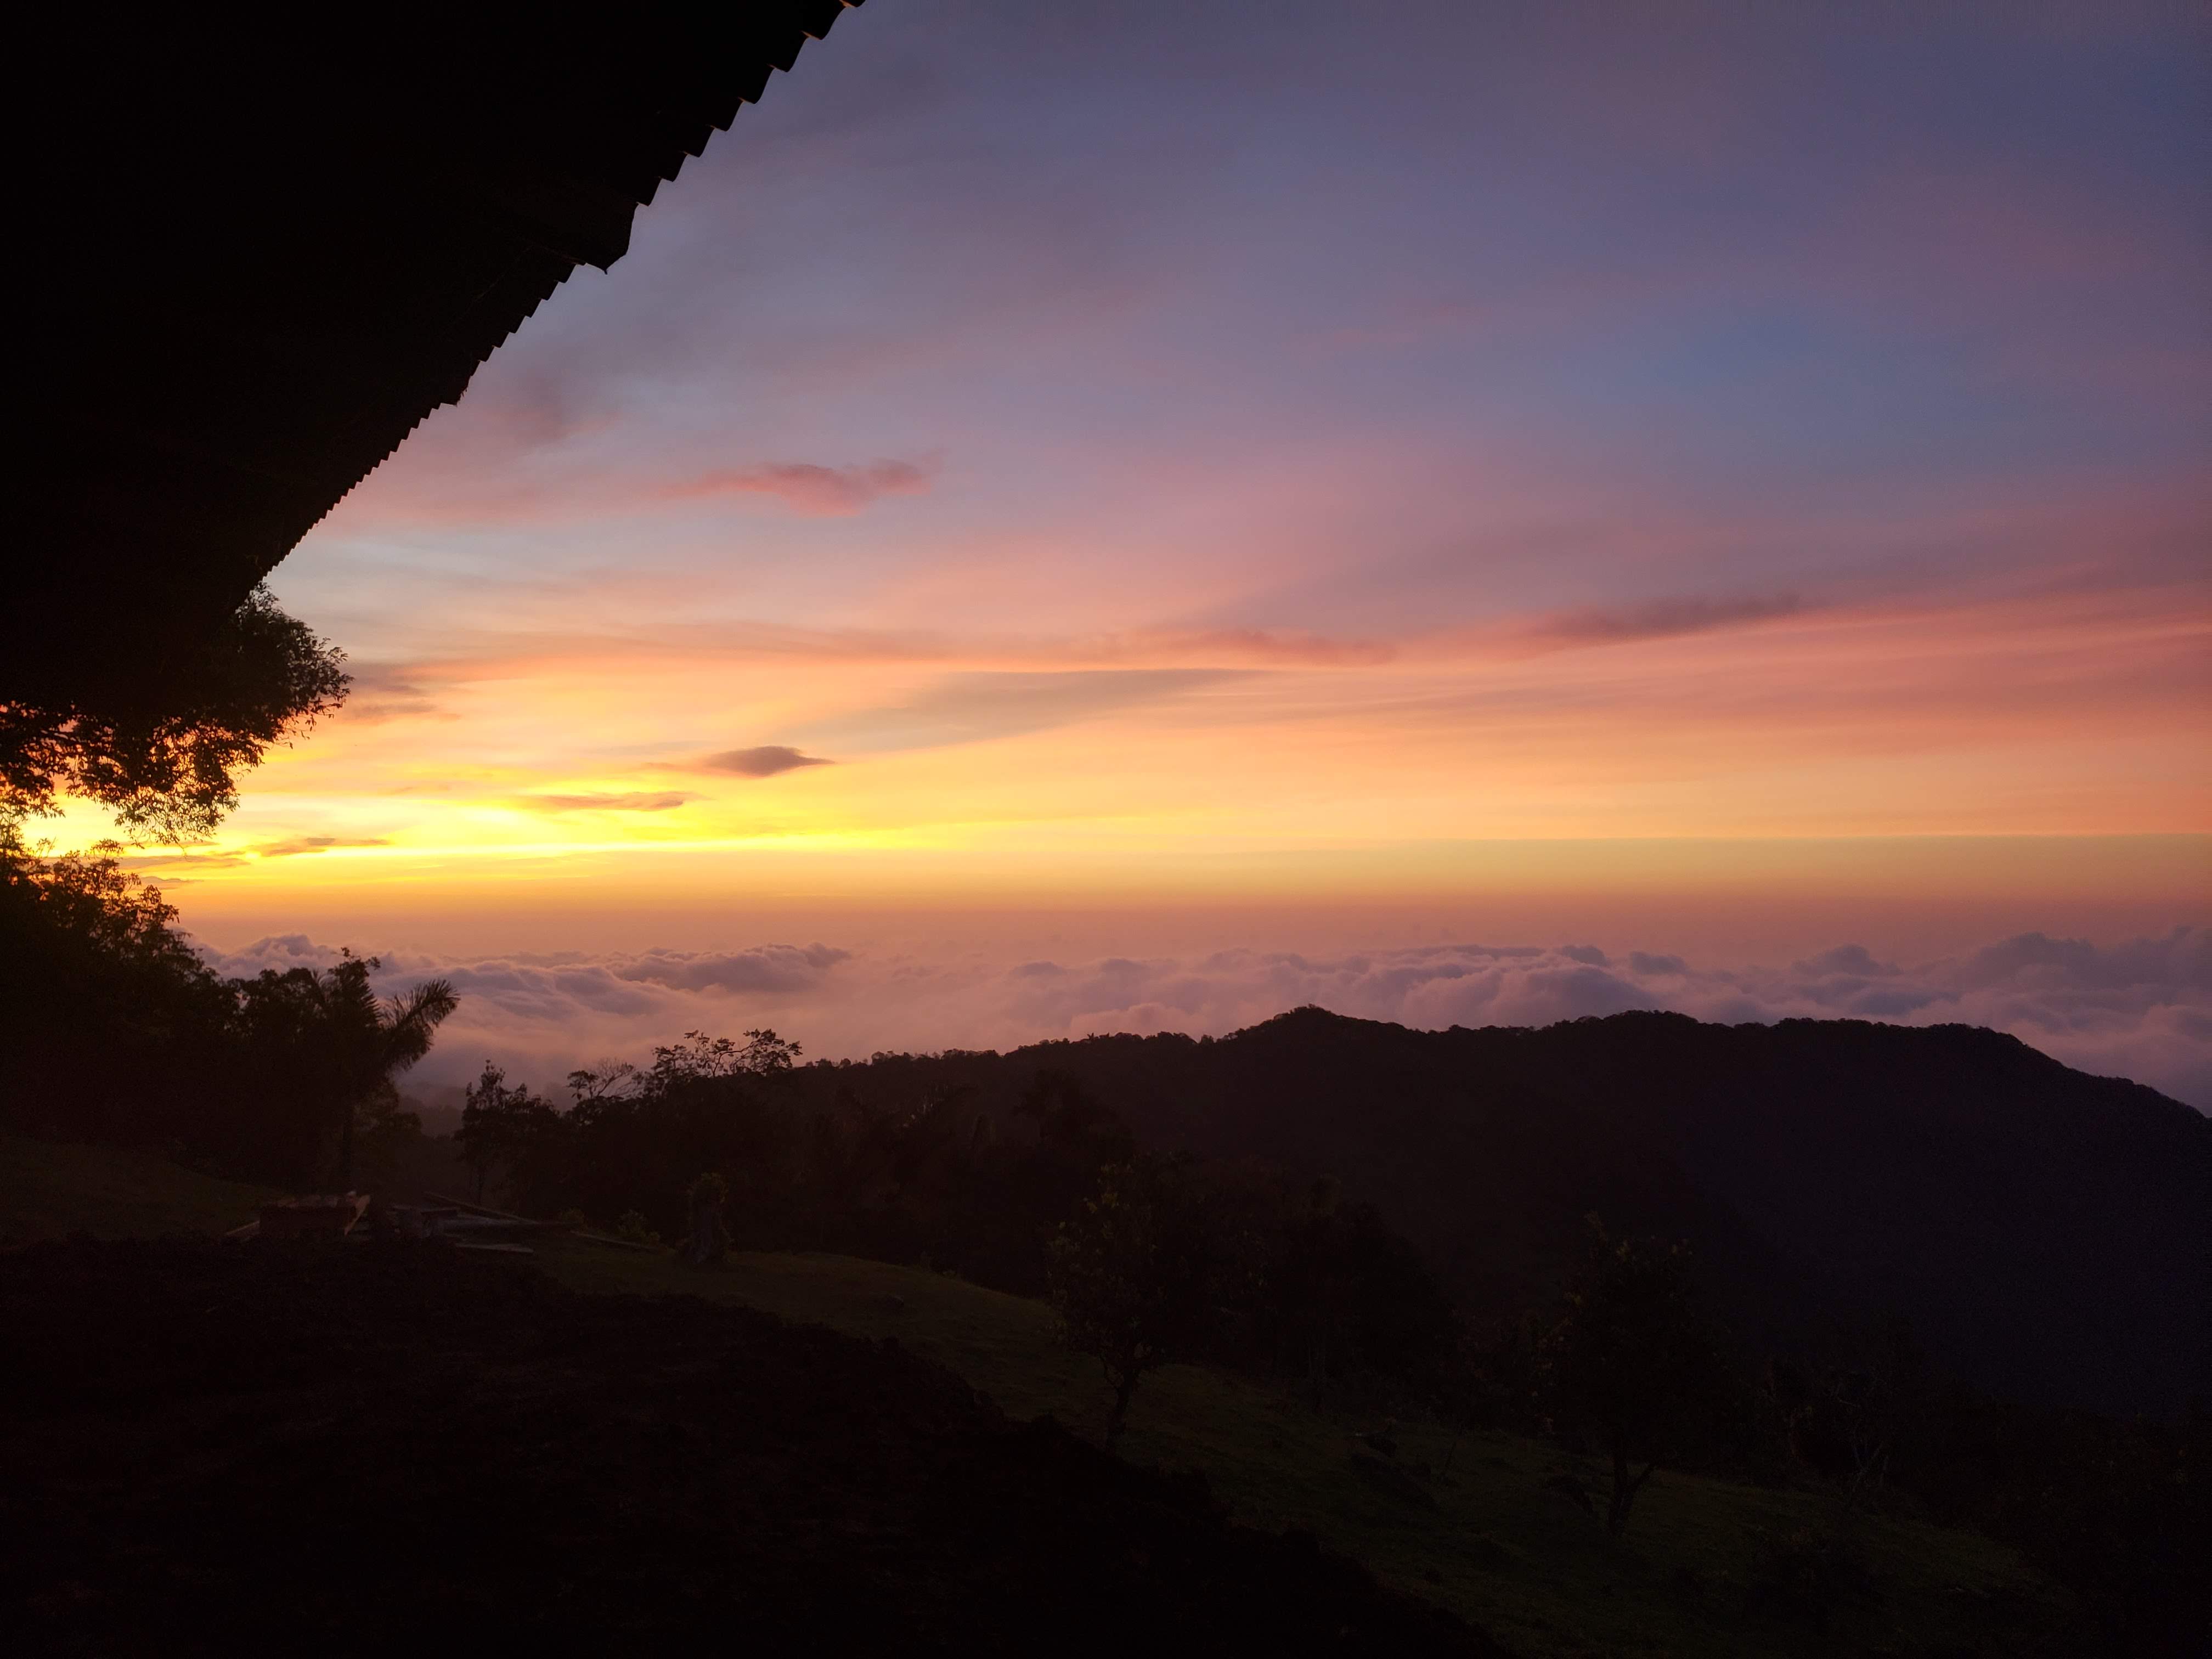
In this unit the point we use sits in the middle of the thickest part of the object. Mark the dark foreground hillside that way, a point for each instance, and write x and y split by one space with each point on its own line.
2049 1234
393 1446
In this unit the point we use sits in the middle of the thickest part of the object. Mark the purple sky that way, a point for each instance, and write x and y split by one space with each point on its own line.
1153 456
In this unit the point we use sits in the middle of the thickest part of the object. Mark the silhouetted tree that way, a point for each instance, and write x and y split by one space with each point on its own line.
368 1041
596 1088
165 764
1137 1274
701 1058
111 1026
1631 1363
500 1125
636 1138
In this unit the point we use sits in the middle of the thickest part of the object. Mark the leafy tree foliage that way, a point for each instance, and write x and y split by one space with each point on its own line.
500 1125
1631 1363
112 1028
165 764
635 1138
337 1043
813 1161
701 1058
1140 1272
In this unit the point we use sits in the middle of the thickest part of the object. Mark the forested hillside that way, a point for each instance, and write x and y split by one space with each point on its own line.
2048 1234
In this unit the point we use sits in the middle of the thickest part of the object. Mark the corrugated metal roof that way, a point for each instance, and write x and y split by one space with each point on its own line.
259 256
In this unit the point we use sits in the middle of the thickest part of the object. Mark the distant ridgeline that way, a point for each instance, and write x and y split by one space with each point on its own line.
2047 1233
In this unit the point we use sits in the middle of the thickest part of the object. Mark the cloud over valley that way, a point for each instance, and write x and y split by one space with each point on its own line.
2141 1009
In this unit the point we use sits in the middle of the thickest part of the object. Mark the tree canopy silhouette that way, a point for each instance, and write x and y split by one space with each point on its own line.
1631 1363
500 1124
165 763
1140 1272
369 1040
112 1028
110 1023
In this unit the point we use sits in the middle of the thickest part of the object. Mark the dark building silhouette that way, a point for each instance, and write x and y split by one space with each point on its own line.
261 249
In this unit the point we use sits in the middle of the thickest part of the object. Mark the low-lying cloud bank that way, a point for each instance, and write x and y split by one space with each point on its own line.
2141 1010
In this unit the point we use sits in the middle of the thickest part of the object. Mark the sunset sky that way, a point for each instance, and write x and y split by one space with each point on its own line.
1211 488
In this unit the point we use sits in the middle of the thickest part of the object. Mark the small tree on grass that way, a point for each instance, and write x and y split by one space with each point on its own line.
1631 1363
1137 1274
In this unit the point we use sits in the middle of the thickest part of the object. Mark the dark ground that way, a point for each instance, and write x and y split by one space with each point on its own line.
351 1447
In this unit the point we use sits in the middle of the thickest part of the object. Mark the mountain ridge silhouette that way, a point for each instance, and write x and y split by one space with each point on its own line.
2048 1234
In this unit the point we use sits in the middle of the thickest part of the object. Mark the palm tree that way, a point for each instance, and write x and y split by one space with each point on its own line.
371 1040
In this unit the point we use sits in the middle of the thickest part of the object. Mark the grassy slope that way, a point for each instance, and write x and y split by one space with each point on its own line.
49 1191
1501 1549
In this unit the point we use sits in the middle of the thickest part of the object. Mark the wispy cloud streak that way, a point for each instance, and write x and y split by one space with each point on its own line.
767 761
804 486
632 800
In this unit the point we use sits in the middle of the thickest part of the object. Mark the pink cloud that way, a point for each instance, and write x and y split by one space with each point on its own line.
497 497
805 487
1653 619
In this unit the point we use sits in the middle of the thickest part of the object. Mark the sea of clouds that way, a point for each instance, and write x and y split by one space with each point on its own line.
2141 1009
